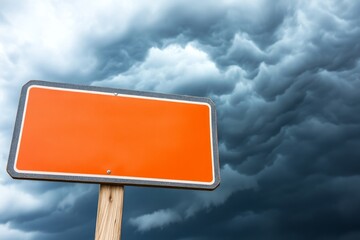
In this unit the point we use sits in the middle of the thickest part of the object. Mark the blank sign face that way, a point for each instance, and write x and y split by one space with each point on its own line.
90 134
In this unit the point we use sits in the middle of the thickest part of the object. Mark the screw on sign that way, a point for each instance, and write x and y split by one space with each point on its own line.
114 137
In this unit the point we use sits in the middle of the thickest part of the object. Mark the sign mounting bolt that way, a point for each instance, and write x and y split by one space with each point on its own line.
108 172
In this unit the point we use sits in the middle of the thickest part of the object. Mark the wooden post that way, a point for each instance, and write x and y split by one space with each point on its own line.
109 215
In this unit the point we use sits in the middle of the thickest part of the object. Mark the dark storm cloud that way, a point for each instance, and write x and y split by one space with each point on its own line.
298 132
285 79
52 208
293 125
217 29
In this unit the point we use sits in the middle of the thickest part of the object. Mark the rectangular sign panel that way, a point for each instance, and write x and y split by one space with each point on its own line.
102 135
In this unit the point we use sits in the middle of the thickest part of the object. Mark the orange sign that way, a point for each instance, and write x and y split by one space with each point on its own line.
91 134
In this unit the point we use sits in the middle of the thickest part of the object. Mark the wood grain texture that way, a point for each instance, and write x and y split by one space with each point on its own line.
109 215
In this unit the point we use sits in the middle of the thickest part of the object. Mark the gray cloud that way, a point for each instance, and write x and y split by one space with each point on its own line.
156 219
187 204
176 69
284 77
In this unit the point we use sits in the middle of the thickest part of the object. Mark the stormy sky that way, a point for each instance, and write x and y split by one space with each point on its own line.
285 78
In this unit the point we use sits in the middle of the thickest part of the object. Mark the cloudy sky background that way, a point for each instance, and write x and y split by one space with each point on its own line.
285 77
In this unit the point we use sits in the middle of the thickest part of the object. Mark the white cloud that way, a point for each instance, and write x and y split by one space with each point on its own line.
157 219
21 198
6 232
3 161
175 69
50 46
24 198
15 201
53 39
